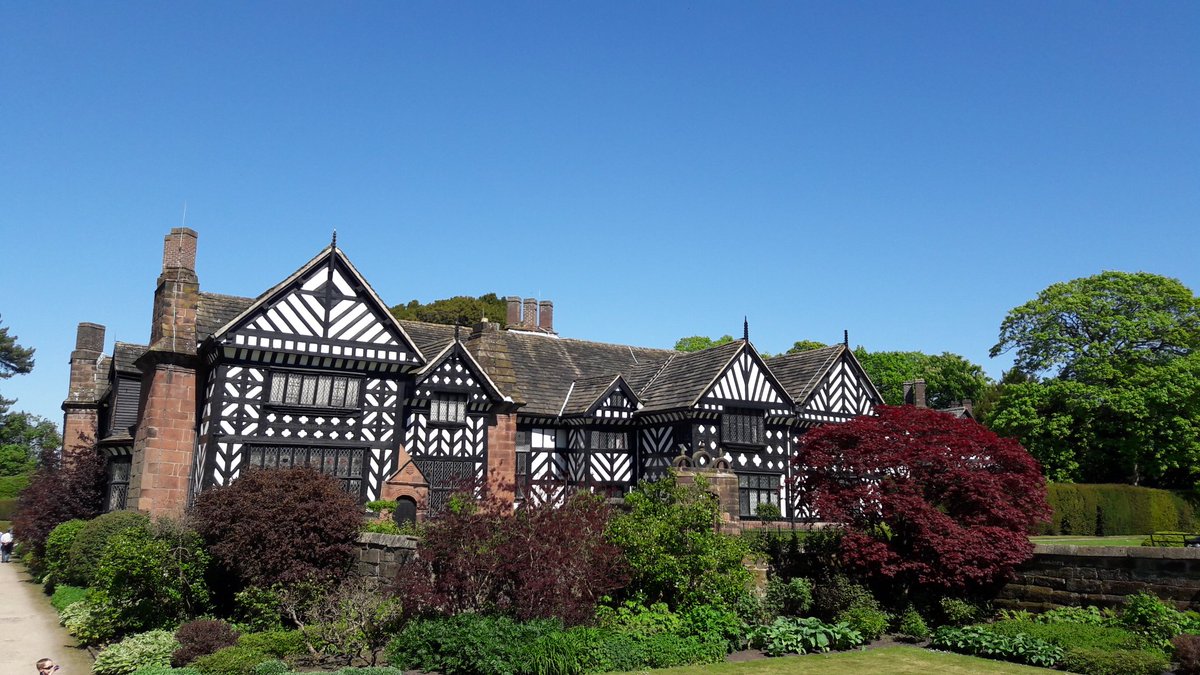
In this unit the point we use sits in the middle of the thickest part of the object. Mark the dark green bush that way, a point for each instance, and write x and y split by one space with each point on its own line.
980 641
959 612
1152 618
10 487
793 597
57 558
65 596
257 609
236 660
92 539
912 627
789 635
1071 635
1119 662
152 579
467 643
838 594
709 623
277 643
1090 615
871 622
1102 510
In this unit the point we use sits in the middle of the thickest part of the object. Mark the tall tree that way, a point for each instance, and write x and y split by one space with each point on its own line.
24 437
1097 328
14 360
697 343
461 310
949 378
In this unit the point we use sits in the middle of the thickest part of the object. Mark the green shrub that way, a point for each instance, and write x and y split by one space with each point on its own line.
256 610
793 597
10 487
277 643
152 579
1071 635
236 660
1100 510
92 539
768 511
1119 662
980 641
378 505
635 619
1152 618
272 667
838 594
65 596
804 636
709 623
871 622
381 527
90 621
959 612
1090 615
668 650
57 558
165 670
912 627
144 649
467 643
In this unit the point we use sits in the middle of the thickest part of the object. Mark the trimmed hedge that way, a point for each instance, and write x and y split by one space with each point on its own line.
7 508
1102 510
10 489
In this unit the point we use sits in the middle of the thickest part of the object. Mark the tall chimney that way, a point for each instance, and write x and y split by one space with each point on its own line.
969 406
179 249
81 419
546 316
919 393
513 318
529 320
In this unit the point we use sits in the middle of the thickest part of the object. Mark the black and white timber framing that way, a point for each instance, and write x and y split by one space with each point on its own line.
317 372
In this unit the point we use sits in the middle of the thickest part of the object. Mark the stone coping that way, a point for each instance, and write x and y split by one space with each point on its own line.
390 540
1145 552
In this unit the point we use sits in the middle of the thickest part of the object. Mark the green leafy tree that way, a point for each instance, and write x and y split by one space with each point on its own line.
23 438
949 378
697 343
674 553
1097 328
805 346
461 310
14 360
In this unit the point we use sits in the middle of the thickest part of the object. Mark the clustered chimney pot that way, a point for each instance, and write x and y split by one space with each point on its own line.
914 393
546 316
179 249
513 317
529 319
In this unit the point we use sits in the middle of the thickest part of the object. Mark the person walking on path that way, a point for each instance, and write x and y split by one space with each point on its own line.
29 629
6 546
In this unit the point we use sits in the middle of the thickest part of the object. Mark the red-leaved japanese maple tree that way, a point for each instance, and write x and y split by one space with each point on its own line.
926 500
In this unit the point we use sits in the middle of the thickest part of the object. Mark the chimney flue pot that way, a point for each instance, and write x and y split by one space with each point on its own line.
513 316
546 316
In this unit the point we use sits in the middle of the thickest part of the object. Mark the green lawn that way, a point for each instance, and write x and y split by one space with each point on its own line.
1072 540
887 660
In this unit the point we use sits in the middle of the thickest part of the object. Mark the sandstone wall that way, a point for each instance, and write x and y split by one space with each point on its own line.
381 555
1104 576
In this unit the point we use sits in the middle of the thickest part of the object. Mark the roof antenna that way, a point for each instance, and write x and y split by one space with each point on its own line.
846 338
183 220
745 329
333 244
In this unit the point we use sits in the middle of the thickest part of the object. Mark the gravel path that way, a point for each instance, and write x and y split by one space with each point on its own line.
29 628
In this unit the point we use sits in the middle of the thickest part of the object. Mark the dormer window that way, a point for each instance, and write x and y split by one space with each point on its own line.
314 391
742 427
448 409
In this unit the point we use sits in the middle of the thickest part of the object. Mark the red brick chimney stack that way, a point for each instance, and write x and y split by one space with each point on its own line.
81 409
513 317
165 441
529 318
914 393
546 316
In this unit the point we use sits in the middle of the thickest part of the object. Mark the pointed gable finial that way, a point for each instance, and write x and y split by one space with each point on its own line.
456 329
846 338
333 244
746 329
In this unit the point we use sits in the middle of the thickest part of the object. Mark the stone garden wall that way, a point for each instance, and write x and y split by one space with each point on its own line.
1104 576
380 555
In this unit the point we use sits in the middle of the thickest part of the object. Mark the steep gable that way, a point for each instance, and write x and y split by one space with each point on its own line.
747 379
323 313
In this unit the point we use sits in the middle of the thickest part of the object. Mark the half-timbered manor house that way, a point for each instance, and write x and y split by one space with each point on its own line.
317 372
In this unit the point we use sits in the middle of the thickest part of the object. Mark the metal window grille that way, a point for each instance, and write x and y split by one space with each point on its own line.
319 391
345 464
755 489
118 482
448 408
745 427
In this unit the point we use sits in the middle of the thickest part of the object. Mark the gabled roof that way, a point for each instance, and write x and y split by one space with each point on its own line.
330 255
455 348
803 372
687 377
124 356
215 310
587 392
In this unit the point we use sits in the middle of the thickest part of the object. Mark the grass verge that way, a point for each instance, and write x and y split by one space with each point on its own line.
1072 540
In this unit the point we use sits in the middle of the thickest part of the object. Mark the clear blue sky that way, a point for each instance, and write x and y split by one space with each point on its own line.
907 171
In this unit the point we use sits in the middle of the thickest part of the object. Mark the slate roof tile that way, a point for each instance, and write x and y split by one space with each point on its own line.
216 310
801 373
686 377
